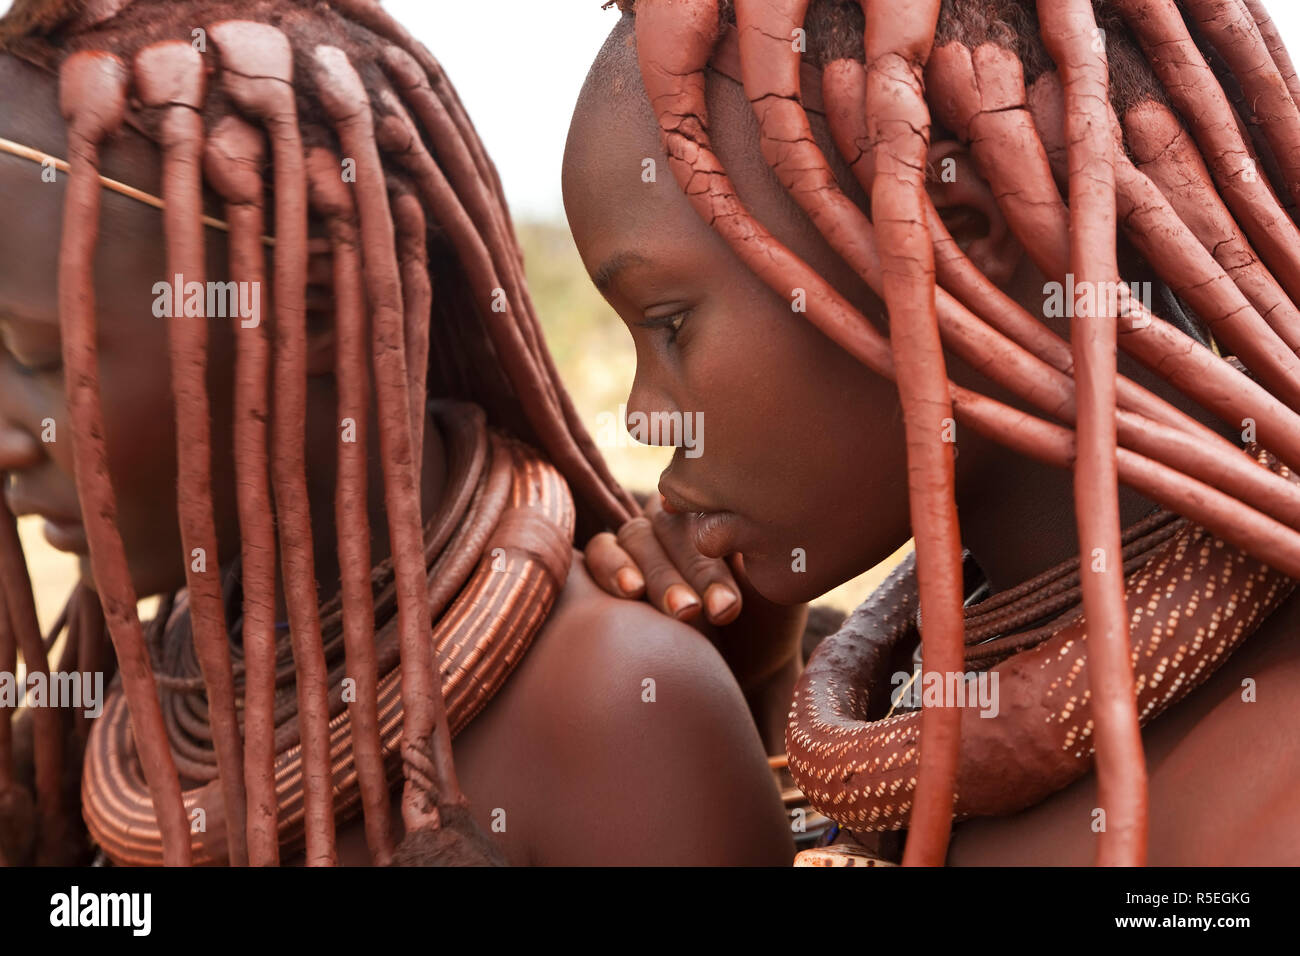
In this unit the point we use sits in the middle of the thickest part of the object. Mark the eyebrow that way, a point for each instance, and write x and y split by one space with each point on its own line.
604 276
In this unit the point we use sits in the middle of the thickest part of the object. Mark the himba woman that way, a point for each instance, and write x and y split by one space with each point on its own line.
357 492
1033 264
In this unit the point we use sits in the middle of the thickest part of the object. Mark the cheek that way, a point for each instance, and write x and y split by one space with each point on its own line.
808 446
788 414
136 397
135 382
140 432
748 368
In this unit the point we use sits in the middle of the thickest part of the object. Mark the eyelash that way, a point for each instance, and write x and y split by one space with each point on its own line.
50 368
672 323
28 371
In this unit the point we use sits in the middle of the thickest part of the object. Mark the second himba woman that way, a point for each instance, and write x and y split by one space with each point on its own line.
885 233
351 574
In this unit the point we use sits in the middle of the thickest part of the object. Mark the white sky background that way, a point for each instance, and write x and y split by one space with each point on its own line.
489 47
519 64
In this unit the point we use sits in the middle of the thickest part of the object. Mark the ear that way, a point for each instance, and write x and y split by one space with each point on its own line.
320 311
968 209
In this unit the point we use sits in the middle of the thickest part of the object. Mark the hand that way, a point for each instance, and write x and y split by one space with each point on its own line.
654 556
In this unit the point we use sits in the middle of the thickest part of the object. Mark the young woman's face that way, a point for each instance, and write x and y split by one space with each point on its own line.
802 460
795 442
133 353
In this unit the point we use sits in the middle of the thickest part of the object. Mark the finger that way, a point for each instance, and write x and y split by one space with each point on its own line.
613 568
665 586
708 576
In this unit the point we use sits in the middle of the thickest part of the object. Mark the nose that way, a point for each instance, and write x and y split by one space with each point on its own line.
19 449
652 417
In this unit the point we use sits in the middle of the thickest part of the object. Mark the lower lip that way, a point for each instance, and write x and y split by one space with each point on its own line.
714 533
66 536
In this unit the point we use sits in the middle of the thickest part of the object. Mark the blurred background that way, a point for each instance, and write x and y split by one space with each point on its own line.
518 66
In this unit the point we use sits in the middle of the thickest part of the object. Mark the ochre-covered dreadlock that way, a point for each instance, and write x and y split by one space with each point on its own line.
303 84
1171 162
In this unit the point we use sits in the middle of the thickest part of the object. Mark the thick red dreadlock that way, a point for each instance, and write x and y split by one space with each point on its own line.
303 83
1027 86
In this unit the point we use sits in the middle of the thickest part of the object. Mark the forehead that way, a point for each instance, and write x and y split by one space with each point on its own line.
31 206
614 148
31 116
612 210
31 113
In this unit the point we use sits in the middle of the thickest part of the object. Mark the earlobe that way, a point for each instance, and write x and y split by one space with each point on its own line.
971 212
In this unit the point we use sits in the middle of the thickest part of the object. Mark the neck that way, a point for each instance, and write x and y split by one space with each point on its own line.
1021 521
322 481
1017 516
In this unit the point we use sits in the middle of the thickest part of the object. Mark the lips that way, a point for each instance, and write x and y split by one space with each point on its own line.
676 502
67 536
715 533
713 530
64 532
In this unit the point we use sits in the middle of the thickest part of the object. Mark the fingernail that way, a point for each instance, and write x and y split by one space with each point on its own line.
681 601
719 600
629 580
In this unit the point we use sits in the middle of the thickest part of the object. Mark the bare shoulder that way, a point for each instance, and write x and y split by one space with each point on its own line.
636 743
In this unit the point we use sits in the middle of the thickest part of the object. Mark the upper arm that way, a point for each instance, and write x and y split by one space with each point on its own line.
650 753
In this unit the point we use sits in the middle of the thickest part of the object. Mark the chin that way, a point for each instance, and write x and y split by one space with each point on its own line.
773 577
144 585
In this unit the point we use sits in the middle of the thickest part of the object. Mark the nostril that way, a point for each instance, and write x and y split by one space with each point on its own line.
650 417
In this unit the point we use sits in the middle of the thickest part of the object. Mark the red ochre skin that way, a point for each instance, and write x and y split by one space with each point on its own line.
810 422
682 780
1155 341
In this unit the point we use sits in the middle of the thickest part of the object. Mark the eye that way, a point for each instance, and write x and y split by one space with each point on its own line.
26 361
671 323
42 370
49 368
30 369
